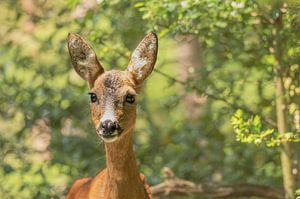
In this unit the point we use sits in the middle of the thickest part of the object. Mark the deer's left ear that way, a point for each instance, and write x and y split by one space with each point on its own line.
143 58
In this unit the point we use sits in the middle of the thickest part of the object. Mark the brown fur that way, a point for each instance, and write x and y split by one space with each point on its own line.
115 85
121 178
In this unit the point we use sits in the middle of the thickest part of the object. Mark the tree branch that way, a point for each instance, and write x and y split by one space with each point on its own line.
173 186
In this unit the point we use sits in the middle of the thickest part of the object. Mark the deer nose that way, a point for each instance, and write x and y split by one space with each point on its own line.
108 127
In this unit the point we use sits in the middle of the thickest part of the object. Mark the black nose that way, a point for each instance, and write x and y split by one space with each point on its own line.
108 127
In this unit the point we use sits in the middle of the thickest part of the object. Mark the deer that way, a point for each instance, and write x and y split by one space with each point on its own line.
113 111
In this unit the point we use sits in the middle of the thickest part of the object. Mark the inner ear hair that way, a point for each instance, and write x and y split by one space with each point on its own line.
84 59
143 58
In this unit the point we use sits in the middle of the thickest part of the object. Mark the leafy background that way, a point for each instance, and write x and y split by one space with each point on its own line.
46 136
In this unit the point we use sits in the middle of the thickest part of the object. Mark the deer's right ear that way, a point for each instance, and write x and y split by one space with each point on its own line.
143 58
84 59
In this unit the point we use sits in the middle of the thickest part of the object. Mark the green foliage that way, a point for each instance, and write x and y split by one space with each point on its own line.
238 40
251 131
40 90
297 194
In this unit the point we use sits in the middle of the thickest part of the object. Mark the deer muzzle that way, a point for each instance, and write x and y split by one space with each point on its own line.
109 130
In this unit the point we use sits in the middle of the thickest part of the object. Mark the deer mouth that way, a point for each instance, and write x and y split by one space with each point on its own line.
109 137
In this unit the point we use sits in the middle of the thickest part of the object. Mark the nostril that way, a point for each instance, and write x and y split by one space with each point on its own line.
109 126
112 126
103 125
117 126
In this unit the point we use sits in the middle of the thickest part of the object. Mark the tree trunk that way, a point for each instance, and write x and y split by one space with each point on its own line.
281 107
286 159
188 51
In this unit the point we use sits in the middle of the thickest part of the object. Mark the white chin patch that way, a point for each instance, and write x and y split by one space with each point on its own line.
110 140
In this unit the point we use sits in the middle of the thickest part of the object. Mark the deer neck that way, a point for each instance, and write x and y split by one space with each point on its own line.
123 180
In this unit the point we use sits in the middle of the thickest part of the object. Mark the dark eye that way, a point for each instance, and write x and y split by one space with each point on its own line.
130 98
93 97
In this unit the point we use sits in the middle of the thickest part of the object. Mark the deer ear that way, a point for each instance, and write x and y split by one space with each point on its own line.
84 59
143 58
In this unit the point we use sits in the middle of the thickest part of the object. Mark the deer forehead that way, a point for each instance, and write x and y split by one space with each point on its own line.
114 83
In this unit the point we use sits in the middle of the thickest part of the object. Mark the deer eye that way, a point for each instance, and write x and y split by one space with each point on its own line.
130 98
93 97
